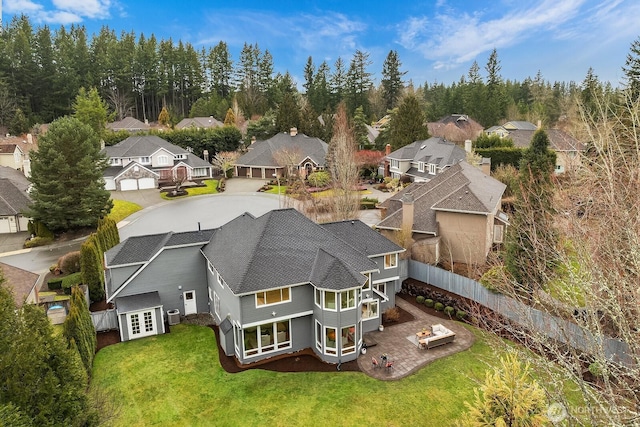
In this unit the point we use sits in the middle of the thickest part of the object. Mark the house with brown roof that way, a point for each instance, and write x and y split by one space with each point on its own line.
567 148
130 124
22 284
455 216
455 128
199 123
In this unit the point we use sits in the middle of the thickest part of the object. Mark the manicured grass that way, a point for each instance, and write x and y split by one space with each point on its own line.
211 187
277 189
328 193
122 209
176 379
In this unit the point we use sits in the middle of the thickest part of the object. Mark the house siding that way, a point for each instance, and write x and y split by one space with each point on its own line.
465 236
301 301
116 276
176 267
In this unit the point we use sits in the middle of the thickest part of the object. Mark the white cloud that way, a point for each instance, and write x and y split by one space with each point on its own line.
453 37
85 8
21 6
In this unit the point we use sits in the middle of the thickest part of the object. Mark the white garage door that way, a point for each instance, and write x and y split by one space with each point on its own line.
109 184
128 184
4 225
144 183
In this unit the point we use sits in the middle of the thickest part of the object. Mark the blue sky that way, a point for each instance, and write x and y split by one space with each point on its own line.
436 40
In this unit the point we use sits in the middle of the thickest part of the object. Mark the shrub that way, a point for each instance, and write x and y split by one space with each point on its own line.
70 281
54 284
319 179
596 369
70 262
460 315
420 299
392 314
365 205
448 310
438 306
428 302
37 241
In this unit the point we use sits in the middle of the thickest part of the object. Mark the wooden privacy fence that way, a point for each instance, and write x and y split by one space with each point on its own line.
533 319
105 320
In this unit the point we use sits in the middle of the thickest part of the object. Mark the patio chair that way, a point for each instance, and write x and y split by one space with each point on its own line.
389 365
375 363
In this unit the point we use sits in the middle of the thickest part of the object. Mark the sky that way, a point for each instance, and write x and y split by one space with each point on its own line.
437 40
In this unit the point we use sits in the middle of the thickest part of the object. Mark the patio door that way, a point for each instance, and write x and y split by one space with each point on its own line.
190 306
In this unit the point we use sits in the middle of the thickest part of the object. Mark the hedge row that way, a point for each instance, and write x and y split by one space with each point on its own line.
502 156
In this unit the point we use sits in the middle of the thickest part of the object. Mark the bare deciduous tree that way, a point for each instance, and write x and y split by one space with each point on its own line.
225 161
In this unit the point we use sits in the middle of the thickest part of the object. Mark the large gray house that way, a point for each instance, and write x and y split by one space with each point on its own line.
275 284
423 160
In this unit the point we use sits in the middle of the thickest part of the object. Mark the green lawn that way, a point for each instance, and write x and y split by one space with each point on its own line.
122 209
176 379
211 187
277 189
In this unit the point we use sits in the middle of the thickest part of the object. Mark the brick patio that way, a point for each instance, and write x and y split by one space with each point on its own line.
407 357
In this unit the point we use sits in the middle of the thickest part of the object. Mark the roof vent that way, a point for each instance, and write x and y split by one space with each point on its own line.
423 147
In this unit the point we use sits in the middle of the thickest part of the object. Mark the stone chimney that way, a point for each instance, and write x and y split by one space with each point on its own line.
205 155
407 211
467 145
387 149
293 131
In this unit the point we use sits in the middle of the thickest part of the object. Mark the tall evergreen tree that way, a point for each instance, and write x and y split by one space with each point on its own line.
288 115
392 80
338 82
91 110
220 66
532 240
78 327
68 188
360 131
631 70
91 268
407 123
496 102
358 83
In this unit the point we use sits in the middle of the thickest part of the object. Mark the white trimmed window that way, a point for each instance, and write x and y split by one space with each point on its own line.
367 285
274 296
348 299
432 169
318 336
329 300
318 297
220 280
381 287
370 310
145 160
390 260
163 160
395 164
330 346
115 161
348 340
420 166
267 338
216 304
498 233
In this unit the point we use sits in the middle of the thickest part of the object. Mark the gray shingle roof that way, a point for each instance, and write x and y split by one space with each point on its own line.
362 237
128 123
433 150
139 249
261 153
558 140
277 249
519 125
462 187
199 122
328 272
15 176
141 146
195 161
13 201
138 302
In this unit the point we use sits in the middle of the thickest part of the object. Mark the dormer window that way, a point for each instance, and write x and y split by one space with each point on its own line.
115 161
163 160
395 164
145 160
420 166
432 169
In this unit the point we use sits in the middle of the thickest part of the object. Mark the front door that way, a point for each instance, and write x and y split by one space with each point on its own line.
190 302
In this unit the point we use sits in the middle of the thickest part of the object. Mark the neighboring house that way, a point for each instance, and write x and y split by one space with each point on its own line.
22 284
15 150
456 128
129 124
423 160
14 201
141 162
568 149
11 155
275 284
454 217
199 123
282 154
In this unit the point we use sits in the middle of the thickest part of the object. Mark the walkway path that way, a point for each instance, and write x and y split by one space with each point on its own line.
407 357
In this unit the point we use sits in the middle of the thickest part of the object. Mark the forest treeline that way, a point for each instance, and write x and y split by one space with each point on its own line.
42 70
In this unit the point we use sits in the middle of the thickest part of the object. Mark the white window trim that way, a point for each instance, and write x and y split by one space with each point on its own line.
282 301
276 346
355 296
336 301
319 339
372 301
368 284
395 164
432 168
163 160
350 349
317 297
216 304
330 351
387 267
420 166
